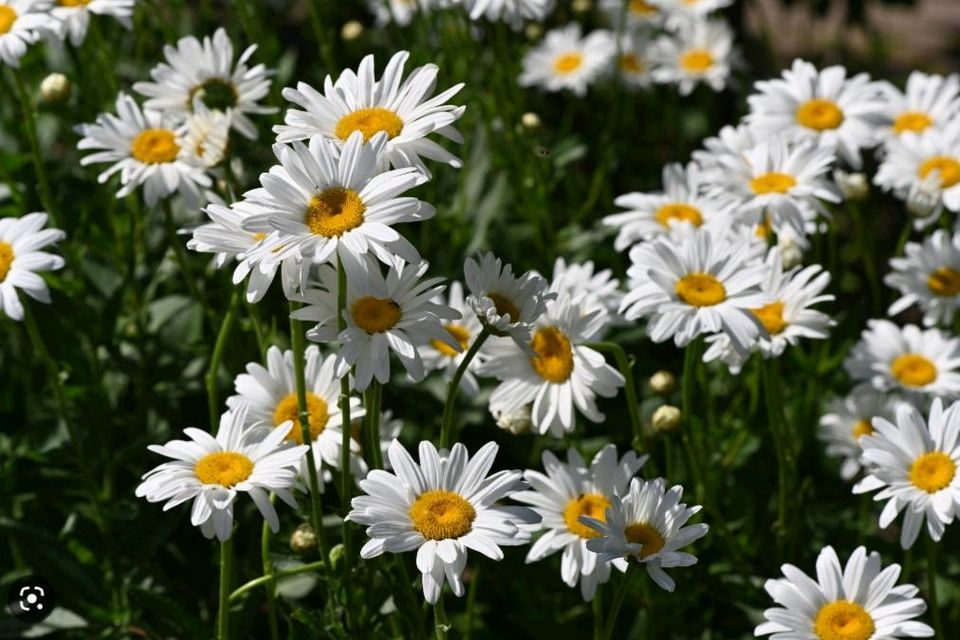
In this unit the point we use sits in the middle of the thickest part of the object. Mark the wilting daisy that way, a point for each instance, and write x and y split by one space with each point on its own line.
567 491
75 15
930 100
326 202
567 60
647 526
909 360
562 376
513 12
928 276
148 149
699 52
849 419
21 260
441 507
22 23
402 109
439 355
914 463
212 471
207 70
855 602
652 214
826 107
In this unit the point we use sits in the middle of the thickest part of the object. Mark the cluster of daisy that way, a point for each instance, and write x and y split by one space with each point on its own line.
513 12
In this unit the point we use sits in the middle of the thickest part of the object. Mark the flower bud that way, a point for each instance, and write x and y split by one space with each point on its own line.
666 419
56 88
530 120
336 556
581 6
517 422
923 199
351 30
303 539
663 383
853 186
533 31
790 252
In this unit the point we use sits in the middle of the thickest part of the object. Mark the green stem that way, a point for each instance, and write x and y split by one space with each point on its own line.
598 614
617 604
446 426
256 582
324 36
411 594
374 455
213 404
263 343
630 390
865 248
691 360
268 571
932 589
30 126
904 237
772 395
346 480
223 612
440 623
471 601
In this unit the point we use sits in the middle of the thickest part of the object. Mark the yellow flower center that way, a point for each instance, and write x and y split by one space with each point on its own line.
216 93
505 306
375 315
843 620
641 8
369 122
645 535
819 114
764 228
933 471
288 409
913 370
439 515
678 211
155 146
911 121
554 359
7 17
696 60
944 281
947 168
630 63
334 211
862 428
6 259
773 182
586 504
771 316
225 468
701 290
74 3
567 63
460 333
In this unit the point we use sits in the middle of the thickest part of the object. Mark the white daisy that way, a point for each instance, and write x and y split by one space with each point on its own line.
647 526
148 149
634 64
698 52
930 100
850 418
21 260
567 491
75 15
327 449
207 70
730 141
401 12
208 133
639 13
402 109
855 602
513 12
564 374
211 471
909 360
22 23
439 355
441 507
594 289
690 9
567 60
826 107
928 276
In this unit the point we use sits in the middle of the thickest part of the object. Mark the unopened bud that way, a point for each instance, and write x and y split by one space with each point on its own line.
533 31
336 556
517 422
790 252
530 120
303 539
56 88
923 199
666 418
853 186
581 6
351 30
663 383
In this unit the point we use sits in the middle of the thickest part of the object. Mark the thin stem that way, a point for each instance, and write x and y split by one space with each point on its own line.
374 455
630 389
617 604
256 582
446 426
268 571
263 342
440 623
30 125
346 481
691 361
932 589
324 36
471 601
772 395
213 404
904 236
223 612
409 589
598 614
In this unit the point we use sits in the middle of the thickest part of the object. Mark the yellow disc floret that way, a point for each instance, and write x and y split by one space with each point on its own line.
369 122
375 315
155 146
645 535
7 17
913 370
947 168
505 306
944 281
933 471
288 409
6 259
862 428
225 468
915 121
819 114
554 359
678 211
773 182
843 620
593 505
701 290
567 63
771 316
440 515
696 60
460 333
334 211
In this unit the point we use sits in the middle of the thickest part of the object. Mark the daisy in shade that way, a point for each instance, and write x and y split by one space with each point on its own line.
327 449
22 23
396 313
595 289
562 376
854 602
567 60
439 355
147 149
647 526
699 52
928 276
929 101
567 491
403 110
441 507
650 215
212 471
326 202
639 13
75 15
848 420
401 12
907 360
634 64
207 70
694 285
513 12
914 464
825 107
208 133
21 260
505 304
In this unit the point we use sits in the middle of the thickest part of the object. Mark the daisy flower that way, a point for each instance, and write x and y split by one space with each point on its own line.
513 12
147 149
22 23
634 63
403 110
21 260
327 449
208 134
850 418
731 140
75 15
567 60
639 13
466 329
648 526
595 289
441 507
212 471
562 375
909 360
855 602
207 70
650 215
930 100
825 107
689 10
327 202
400 12
698 52
928 276
567 491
